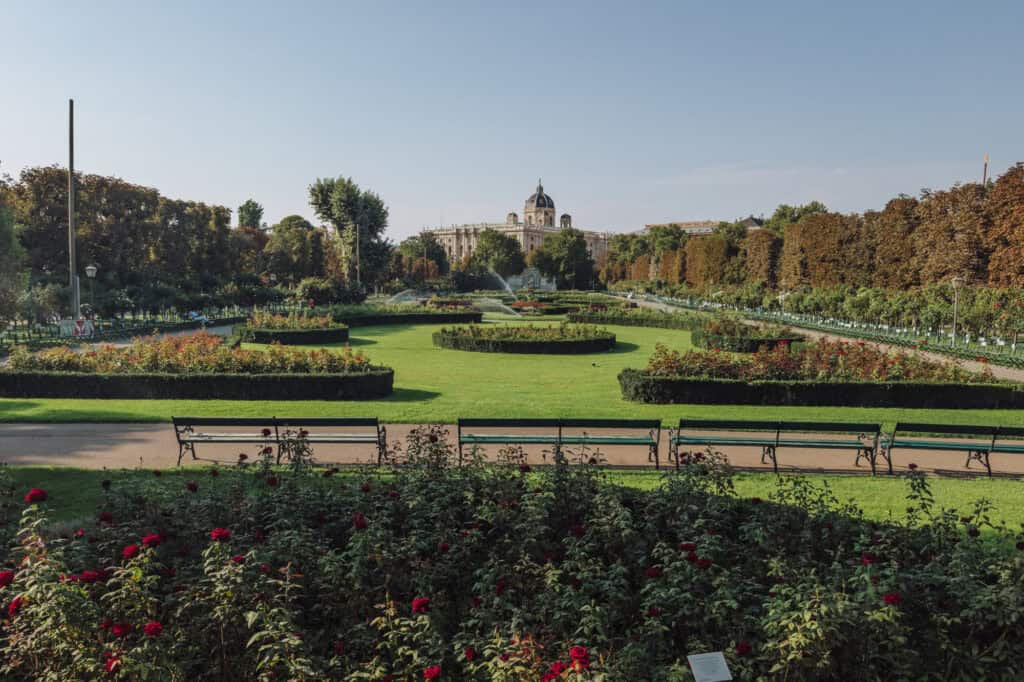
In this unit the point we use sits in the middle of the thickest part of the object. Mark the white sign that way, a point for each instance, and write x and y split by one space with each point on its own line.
709 667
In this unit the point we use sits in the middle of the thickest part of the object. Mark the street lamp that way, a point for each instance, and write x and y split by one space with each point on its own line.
90 272
957 283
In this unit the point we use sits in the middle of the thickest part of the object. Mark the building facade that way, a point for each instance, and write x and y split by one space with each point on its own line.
459 241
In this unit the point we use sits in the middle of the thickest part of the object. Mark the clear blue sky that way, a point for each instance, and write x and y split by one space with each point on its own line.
631 112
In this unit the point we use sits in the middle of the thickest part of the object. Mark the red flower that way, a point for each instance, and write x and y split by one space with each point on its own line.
365 487
867 558
687 547
653 572
90 576
272 481
578 530
267 450
653 612
704 563
421 605
15 606
470 653
153 628
743 648
130 552
242 456
220 534
105 624
359 521
432 673
192 486
80 533
35 495
891 598
339 648
152 540
911 466
120 629
477 601
238 559
265 569
266 432
443 548
113 662
499 587
106 517
393 494
6 578
578 653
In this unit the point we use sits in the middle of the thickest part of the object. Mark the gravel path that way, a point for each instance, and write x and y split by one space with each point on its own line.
999 372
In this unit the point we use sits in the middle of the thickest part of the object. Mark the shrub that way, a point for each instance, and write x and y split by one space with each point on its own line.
561 339
639 317
487 573
723 332
292 329
292 322
366 315
327 291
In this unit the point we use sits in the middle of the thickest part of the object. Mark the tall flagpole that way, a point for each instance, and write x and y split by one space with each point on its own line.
76 309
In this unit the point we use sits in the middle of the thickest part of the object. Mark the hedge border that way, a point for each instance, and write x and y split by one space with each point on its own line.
295 337
685 323
599 344
450 317
378 382
740 344
638 386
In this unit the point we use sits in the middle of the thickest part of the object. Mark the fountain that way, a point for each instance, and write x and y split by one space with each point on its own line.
505 285
406 296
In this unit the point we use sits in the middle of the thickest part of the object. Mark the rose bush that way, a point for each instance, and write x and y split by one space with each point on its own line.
292 322
547 576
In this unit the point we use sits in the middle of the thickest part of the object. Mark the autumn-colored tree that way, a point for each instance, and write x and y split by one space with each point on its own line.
890 236
950 238
760 250
1004 205
836 250
707 259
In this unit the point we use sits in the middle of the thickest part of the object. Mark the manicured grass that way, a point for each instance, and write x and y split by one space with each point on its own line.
75 493
440 385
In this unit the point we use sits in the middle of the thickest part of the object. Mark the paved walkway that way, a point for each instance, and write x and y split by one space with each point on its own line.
114 446
999 372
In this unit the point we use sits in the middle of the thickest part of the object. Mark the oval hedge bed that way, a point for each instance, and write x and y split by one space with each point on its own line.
640 318
562 340
376 382
732 335
295 337
639 386
415 316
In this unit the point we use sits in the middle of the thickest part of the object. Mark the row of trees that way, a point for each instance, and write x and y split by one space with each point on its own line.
969 231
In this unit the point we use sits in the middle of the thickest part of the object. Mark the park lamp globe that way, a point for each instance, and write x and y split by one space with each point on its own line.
90 271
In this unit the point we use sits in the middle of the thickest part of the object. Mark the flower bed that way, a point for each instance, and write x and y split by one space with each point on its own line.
199 366
824 373
540 308
366 315
480 574
298 330
638 317
563 339
730 334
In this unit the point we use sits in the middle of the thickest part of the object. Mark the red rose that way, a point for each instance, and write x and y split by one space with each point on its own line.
152 540
393 494
106 517
153 628
90 576
80 533
130 552
359 521
105 624
653 572
15 606
113 663
867 558
443 548
192 486
470 653
743 648
6 578
557 668
704 563
432 673
220 534
120 629
35 495
365 487
265 569
272 481
268 450
653 612
891 598
421 605
477 601
687 547
578 653
266 432
499 587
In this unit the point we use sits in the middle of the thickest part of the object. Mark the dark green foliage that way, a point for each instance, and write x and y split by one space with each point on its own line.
296 337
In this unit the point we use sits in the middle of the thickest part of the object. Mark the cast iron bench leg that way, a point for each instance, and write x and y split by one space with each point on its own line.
769 452
183 447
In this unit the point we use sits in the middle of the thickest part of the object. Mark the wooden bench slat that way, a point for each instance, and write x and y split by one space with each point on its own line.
951 429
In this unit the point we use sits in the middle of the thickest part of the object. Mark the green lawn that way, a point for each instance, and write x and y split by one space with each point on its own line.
75 493
437 385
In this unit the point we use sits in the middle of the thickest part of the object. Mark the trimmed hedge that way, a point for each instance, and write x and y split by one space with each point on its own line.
447 317
662 321
295 337
638 386
376 383
604 341
740 344
548 309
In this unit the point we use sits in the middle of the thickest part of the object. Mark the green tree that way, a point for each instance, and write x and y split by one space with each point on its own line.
425 245
358 217
791 215
564 257
500 253
295 250
250 214
12 273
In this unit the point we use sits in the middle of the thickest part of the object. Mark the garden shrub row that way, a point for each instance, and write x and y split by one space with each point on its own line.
640 386
741 344
540 340
297 337
365 316
639 318
374 382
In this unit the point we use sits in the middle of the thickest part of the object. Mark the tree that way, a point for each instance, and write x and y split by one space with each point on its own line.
425 245
786 215
295 250
500 253
358 217
1004 204
563 256
250 214
12 274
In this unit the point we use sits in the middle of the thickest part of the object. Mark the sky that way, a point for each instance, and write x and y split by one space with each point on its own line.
632 113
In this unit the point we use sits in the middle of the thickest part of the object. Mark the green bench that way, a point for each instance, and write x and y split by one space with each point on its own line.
559 433
772 435
978 442
276 432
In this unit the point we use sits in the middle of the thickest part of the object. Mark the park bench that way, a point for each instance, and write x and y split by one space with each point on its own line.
562 432
772 435
279 432
977 441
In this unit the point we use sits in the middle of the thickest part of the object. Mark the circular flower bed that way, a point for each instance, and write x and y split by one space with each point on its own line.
539 308
562 339
293 329
729 334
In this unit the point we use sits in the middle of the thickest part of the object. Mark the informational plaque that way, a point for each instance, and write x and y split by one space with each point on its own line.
709 667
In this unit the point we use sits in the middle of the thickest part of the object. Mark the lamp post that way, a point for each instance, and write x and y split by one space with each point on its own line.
957 283
90 272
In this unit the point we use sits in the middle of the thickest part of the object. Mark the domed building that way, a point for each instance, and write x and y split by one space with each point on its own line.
538 222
